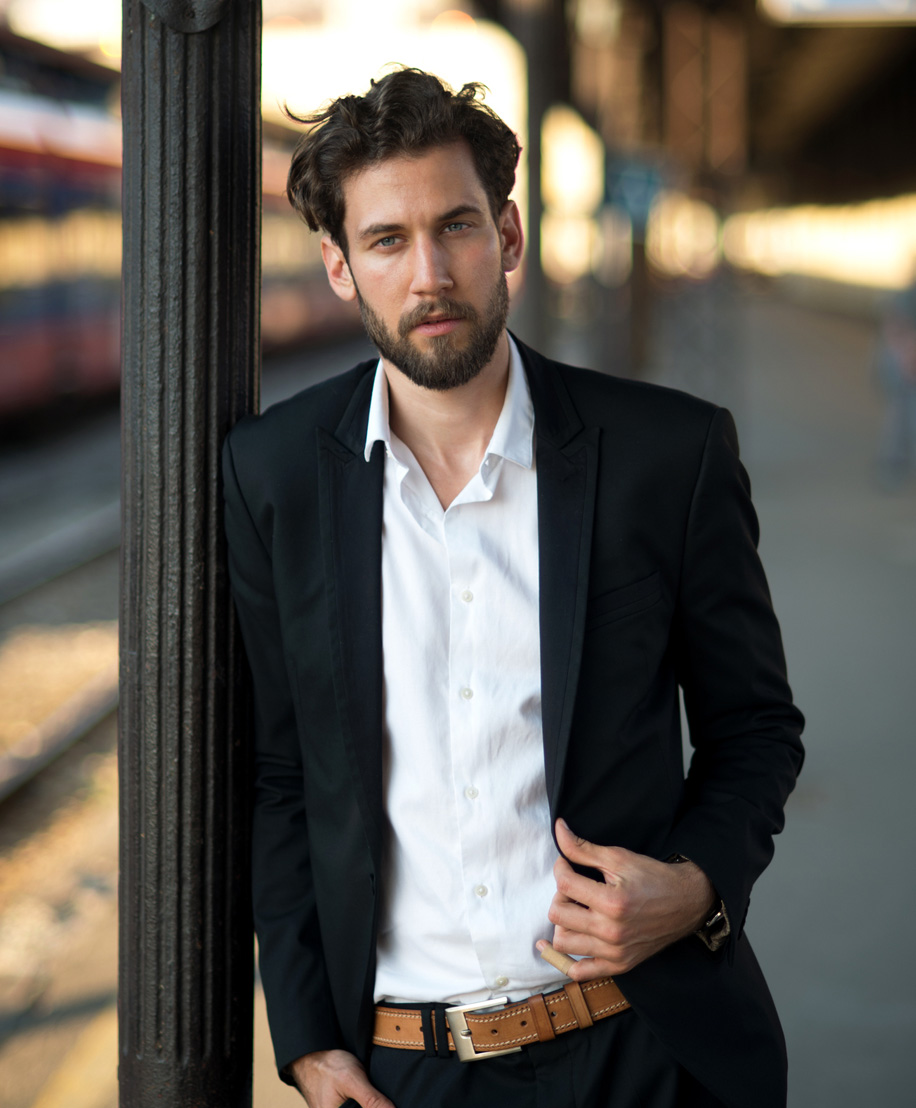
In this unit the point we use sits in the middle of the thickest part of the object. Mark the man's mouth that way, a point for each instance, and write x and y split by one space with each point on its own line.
437 325
440 318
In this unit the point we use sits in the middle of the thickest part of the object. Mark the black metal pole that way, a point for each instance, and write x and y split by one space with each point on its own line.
191 105
539 27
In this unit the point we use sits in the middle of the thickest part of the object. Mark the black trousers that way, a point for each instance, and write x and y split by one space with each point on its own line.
617 1063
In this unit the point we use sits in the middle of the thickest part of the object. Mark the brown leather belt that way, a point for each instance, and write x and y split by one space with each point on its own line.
475 1033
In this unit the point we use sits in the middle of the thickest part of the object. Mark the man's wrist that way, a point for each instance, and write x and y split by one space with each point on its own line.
714 927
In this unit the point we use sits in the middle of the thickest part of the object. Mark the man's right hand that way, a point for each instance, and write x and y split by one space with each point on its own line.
328 1078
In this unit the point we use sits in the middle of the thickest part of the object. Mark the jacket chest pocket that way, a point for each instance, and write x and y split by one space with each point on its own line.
627 600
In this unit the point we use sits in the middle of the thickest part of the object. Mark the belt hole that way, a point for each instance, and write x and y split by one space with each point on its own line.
553 1014
524 1023
397 1027
494 1031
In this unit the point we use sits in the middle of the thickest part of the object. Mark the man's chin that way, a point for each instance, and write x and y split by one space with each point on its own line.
439 370
430 345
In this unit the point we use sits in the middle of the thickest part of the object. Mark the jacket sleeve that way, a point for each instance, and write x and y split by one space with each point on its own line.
743 726
299 1005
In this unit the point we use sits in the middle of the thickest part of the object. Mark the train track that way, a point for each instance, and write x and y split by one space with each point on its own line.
80 714
60 551
56 725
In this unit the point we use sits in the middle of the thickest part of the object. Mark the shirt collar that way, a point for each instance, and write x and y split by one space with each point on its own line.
513 436
378 428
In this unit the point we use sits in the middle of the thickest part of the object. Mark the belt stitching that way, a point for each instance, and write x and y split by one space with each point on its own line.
610 1008
507 1015
402 1042
557 1027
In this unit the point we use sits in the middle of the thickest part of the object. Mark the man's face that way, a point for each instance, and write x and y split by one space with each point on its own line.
427 264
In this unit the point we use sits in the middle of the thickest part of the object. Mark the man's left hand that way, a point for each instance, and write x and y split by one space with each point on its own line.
642 906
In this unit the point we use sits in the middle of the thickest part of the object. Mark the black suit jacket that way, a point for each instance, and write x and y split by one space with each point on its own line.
649 580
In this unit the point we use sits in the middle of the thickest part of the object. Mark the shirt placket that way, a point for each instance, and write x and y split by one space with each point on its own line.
468 590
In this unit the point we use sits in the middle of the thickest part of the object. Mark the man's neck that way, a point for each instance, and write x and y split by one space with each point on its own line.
448 432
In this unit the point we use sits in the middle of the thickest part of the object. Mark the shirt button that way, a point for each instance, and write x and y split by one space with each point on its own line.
467 596
467 693
471 793
481 890
501 982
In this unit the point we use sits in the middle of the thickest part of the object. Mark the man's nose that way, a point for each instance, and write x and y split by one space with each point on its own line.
430 268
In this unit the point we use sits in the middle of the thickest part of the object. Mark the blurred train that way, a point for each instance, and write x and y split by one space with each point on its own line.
60 234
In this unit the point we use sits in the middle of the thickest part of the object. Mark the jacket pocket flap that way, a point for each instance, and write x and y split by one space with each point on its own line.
625 600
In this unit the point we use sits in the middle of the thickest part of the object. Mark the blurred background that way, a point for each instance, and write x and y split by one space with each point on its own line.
720 197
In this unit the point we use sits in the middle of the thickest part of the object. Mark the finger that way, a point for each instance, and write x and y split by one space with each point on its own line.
560 961
593 958
361 1090
589 969
588 946
365 1093
573 917
580 850
575 887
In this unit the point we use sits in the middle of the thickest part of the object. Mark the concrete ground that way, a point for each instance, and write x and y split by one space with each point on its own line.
831 919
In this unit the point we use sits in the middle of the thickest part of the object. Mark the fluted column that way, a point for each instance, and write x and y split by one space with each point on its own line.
191 105
539 26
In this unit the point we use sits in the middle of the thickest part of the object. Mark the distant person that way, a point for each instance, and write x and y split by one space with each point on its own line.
471 582
897 374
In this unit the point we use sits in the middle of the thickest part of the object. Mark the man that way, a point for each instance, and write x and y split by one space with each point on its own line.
471 582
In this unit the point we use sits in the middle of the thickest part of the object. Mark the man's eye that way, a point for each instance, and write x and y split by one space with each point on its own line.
388 240
457 226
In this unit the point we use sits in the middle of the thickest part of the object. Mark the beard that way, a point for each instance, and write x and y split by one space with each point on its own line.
449 363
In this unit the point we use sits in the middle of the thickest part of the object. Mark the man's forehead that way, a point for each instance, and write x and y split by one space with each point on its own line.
436 180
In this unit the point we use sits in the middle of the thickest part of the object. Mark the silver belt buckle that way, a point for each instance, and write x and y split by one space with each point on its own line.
461 1033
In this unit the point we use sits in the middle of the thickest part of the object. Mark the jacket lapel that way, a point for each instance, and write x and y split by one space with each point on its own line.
351 536
567 465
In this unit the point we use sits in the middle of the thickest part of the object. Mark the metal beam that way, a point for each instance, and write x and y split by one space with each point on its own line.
539 26
191 89
819 72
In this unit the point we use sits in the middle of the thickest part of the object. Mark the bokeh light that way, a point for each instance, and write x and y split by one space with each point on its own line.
871 244
682 236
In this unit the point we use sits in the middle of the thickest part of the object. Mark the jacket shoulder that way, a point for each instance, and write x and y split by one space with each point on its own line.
604 395
281 430
568 396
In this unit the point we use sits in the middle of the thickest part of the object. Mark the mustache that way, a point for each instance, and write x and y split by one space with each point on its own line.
453 309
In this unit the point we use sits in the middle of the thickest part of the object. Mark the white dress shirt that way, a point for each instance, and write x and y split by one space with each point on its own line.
469 856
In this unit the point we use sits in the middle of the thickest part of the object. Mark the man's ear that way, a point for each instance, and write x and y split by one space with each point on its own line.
339 275
511 235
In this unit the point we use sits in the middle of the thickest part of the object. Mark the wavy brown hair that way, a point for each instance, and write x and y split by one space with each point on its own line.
404 113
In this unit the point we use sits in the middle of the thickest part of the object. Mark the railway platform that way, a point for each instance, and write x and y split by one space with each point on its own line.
830 919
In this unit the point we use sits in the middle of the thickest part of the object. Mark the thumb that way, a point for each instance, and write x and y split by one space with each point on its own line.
572 845
363 1092
577 849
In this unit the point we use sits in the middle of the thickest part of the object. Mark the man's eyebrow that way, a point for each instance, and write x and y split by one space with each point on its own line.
462 209
374 229
378 229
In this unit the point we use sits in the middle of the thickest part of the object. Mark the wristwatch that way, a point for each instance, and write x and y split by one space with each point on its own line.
717 927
